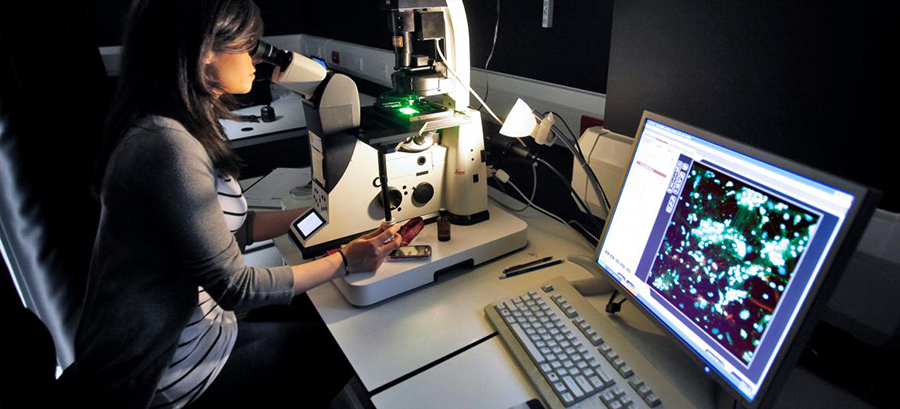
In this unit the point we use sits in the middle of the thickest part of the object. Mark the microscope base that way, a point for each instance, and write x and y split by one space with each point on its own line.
501 234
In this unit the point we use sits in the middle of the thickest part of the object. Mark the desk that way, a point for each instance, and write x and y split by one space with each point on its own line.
291 121
397 336
428 327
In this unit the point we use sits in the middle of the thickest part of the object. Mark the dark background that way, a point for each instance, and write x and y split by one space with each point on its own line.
523 47
812 81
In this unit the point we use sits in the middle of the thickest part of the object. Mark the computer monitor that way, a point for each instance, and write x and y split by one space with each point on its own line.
727 247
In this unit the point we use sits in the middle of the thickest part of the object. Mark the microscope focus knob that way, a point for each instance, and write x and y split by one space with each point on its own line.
423 192
394 195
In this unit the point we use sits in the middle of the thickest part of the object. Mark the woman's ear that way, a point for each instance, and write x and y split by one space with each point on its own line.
208 58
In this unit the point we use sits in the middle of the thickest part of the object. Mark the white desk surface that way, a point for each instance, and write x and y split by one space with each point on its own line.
482 377
288 109
399 335
486 376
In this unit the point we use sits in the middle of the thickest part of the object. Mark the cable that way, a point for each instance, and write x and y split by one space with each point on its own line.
572 190
533 190
437 48
575 148
540 209
585 230
598 189
613 306
446 64
487 78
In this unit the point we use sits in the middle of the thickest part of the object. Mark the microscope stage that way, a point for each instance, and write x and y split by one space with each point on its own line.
481 242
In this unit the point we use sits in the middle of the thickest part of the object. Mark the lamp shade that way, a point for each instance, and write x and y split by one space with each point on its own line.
520 122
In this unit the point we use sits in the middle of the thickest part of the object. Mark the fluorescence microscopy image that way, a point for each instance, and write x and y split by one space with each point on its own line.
728 255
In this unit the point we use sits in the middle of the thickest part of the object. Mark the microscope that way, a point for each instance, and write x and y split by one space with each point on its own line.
417 151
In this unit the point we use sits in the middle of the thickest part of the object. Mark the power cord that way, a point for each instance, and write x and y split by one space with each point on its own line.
487 77
503 177
575 148
613 306
573 192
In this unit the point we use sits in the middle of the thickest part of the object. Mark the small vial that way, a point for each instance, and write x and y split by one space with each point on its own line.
443 225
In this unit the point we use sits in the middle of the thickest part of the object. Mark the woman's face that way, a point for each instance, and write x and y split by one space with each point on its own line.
234 71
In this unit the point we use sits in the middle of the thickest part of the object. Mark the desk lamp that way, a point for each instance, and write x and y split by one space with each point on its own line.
522 121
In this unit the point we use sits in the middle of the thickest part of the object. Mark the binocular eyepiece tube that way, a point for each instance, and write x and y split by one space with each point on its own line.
268 53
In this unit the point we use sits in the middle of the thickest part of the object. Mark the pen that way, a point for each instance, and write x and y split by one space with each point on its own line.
529 264
526 270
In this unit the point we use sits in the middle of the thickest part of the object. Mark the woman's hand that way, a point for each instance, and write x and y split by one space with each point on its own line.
367 252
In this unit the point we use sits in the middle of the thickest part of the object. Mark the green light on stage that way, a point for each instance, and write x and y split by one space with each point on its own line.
408 111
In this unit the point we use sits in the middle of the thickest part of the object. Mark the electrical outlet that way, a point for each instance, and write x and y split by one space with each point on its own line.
547 16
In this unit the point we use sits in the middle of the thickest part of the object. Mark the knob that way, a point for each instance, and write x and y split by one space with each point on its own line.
394 196
423 192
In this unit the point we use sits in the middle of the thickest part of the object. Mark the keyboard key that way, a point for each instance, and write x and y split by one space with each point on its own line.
652 400
552 377
573 387
643 390
635 382
567 399
607 380
547 288
584 385
608 397
596 382
559 387
625 371
529 347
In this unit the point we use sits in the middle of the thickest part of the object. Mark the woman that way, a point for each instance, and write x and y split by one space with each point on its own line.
157 328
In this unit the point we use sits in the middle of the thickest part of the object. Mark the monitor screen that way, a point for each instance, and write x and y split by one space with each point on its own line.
308 223
720 245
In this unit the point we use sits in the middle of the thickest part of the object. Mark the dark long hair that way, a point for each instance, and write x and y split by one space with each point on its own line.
162 72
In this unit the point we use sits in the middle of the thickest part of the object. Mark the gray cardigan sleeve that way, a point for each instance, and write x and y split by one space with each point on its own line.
179 183
244 234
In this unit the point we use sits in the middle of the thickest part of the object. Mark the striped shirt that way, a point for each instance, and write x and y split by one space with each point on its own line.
207 340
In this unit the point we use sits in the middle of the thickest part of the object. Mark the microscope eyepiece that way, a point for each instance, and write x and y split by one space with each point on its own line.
267 53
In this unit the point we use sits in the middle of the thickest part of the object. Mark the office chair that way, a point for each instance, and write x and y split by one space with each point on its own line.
53 100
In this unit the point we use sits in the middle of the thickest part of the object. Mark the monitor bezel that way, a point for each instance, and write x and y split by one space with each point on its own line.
811 309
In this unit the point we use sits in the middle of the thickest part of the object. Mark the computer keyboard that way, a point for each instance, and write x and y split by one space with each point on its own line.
552 333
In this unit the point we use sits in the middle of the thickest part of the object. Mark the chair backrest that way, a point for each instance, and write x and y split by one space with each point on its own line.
53 99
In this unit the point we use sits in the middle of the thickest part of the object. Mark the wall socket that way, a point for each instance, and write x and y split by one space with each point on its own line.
547 17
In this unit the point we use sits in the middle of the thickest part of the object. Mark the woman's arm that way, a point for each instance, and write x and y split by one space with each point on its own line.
271 224
364 254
